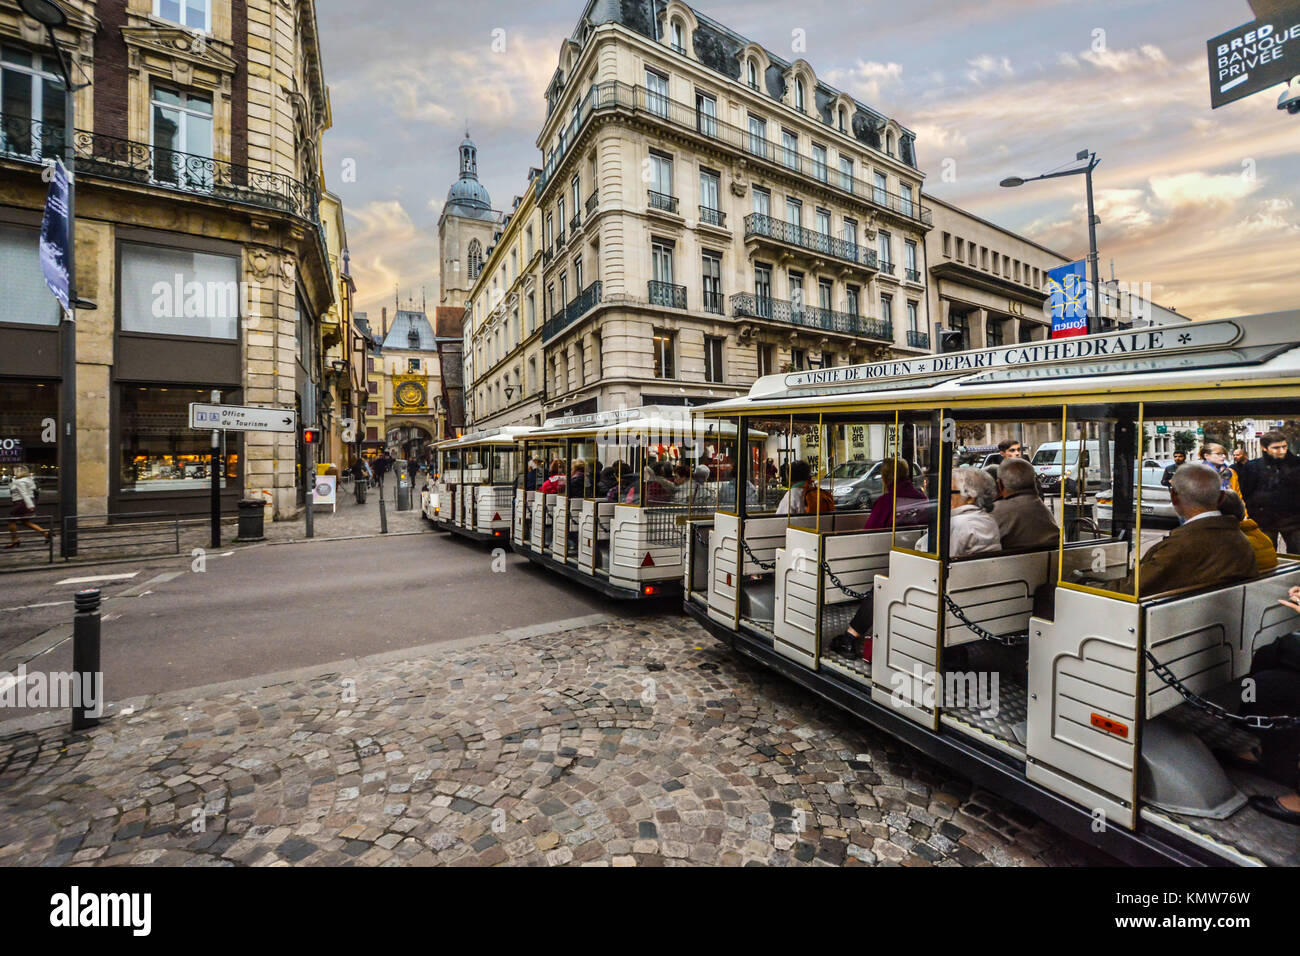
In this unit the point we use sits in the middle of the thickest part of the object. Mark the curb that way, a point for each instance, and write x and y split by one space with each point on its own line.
40 722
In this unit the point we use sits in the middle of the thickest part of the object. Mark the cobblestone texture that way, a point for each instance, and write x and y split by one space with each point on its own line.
630 744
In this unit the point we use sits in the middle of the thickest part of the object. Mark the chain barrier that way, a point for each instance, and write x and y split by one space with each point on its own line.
858 595
1006 640
753 557
1252 721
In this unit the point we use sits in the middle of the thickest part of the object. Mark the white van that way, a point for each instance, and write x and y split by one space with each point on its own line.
1047 464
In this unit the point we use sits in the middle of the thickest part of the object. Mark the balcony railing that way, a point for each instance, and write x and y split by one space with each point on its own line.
712 302
576 222
746 304
887 268
713 217
613 96
912 275
584 303
662 201
667 294
123 160
918 340
592 201
559 240
547 255
757 224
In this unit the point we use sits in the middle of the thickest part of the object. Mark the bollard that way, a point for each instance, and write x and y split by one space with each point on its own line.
85 654
383 513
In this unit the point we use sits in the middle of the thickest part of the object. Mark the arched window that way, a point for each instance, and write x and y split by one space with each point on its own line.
475 258
889 142
679 37
798 95
843 114
753 74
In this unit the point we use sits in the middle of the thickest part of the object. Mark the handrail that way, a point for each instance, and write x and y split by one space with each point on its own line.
758 224
748 305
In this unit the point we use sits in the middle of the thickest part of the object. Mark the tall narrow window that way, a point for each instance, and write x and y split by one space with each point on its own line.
713 358
656 86
909 261
793 211
706 114
763 289
532 314
662 342
846 174
710 197
880 195
679 38
912 316
851 235
796 291
824 290
711 274
751 73
905 206
819 163
758 136
887 309
762 202
182 129
766 359
799 96
661 180
884 248
852 303
33 104
790 148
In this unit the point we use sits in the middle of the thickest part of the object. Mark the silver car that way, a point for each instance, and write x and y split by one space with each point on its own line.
857 485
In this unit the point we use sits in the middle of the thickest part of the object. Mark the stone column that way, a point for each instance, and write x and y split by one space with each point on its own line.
96 453
979 323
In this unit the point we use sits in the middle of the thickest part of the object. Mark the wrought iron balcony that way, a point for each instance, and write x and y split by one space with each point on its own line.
127 161
918 340
662 201
584 303
667 294
756 224
547 255
912 275
576 222
713 217
748 305
606 98
712 302
887 268
592 201
559 240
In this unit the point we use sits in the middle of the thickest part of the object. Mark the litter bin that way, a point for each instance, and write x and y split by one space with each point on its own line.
251 519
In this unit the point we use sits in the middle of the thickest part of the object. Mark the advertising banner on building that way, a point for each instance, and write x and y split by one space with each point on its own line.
54 235
1068 300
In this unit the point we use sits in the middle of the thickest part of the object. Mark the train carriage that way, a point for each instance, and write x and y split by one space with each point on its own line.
472 496
604 498
1047 673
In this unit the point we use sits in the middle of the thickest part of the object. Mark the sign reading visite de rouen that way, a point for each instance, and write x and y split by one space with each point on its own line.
1147 342
1253 57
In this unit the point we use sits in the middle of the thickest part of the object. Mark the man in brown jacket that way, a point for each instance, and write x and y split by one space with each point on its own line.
1022 518
1207 549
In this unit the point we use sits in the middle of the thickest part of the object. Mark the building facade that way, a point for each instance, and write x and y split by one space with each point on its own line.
405 392
198 235
344 395
708 212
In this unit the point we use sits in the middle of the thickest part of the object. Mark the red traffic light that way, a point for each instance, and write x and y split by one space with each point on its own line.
311 436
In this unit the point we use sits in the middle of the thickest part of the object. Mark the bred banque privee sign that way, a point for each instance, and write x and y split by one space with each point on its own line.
1165 339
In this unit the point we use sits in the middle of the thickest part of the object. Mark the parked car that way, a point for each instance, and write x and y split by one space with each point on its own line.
857 484
1157 507
1047 467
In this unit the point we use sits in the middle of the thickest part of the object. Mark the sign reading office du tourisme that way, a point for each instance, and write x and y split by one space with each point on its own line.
242 418
1068 300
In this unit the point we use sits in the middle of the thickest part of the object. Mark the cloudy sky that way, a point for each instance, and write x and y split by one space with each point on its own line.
1201 204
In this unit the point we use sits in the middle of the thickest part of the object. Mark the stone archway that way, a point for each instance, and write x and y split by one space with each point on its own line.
407 438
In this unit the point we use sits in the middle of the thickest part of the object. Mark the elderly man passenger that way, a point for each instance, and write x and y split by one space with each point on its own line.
1022 519
972 530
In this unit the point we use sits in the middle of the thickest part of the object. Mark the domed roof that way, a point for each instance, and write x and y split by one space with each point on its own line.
467 197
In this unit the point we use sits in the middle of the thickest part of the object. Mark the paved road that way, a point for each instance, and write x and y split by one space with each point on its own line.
273 608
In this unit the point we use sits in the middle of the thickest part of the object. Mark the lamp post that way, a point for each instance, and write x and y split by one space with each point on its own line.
1094 313
51 15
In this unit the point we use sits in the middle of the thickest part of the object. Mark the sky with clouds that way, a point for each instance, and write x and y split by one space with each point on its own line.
1201 204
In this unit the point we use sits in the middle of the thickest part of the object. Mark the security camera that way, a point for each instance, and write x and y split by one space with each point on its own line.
1290 98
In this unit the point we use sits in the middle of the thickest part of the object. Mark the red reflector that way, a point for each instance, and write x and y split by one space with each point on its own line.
728 579
649 589
1110 726
496 516
649 562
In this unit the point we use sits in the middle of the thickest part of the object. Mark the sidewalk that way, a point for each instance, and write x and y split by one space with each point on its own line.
593 741
349 520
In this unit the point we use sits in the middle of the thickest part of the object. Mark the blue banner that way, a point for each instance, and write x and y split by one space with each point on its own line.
54 235
1068 291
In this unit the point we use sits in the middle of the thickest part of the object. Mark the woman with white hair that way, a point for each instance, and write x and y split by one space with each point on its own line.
972 530
22 491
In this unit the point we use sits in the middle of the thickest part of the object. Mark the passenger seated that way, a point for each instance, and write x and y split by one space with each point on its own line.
973 531
1208 549
1022 519
1265 553
792 502
894 484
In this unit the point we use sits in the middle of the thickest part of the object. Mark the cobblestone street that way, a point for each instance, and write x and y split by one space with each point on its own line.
630 743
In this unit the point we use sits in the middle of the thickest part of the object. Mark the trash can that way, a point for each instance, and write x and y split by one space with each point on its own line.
251 519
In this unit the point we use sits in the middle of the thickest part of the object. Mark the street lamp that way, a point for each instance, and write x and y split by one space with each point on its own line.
51 15
1094 314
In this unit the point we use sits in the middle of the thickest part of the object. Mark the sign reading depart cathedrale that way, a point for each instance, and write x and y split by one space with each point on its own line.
1165 339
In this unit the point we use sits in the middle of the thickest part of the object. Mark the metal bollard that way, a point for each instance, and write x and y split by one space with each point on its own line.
85 654
383 513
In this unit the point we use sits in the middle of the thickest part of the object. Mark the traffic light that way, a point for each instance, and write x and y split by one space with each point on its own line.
311 436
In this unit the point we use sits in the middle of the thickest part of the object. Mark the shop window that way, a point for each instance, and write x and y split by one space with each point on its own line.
179 292
29 412
26 298
159 450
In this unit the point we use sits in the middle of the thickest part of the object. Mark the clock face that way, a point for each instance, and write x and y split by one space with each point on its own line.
410 394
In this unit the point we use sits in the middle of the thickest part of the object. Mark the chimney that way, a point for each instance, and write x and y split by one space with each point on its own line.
383 314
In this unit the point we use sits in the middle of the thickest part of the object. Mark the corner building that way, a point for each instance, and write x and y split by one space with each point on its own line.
710 212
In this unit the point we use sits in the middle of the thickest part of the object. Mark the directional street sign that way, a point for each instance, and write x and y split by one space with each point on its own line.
1253 57
242 418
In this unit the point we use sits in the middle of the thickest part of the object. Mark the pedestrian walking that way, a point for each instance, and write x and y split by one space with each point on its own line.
1180 459
22 491
383 465
1270 486
1216 456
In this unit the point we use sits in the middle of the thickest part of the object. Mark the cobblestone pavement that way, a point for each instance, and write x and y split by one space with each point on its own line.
634 743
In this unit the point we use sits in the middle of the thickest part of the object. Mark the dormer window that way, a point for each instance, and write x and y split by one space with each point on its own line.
798 96
889 142
678 37
843 117
753 74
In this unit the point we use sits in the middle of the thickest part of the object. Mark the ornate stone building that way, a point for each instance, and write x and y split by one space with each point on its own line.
198 235
465 228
